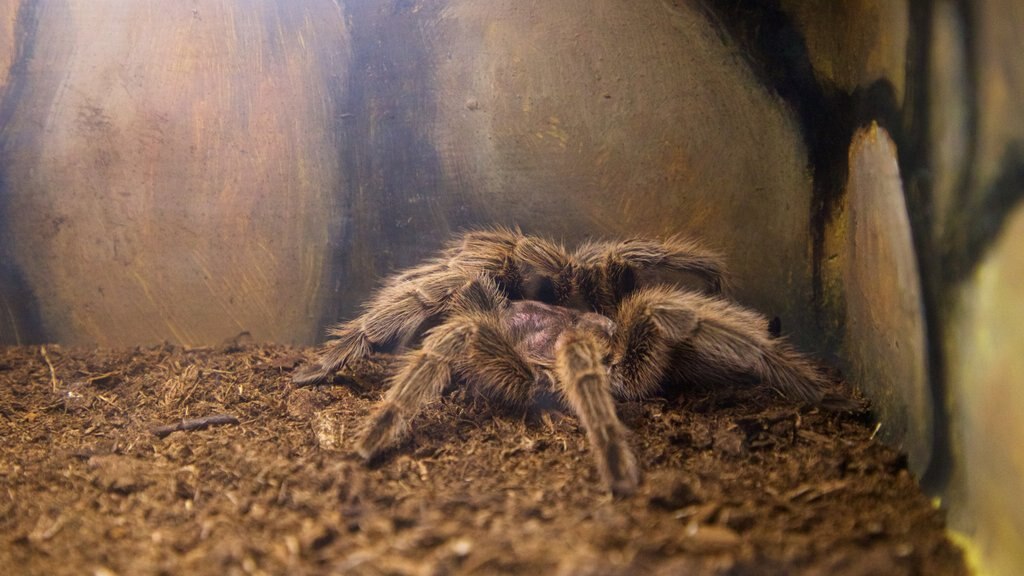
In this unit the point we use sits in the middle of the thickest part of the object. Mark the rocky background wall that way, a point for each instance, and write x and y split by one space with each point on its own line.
190 171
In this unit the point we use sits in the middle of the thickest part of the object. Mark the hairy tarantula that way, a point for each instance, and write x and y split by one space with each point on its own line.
515 314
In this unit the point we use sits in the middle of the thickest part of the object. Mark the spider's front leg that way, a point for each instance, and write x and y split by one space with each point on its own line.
584 382
650 323
394 314
471 345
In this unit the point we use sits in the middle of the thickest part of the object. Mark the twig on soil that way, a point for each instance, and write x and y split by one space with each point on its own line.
42 532
190 424
53 374
108 400
100 378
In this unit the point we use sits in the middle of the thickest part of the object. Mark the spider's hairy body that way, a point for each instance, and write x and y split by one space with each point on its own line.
511 314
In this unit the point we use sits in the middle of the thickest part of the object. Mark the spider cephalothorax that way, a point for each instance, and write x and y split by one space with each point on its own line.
513 314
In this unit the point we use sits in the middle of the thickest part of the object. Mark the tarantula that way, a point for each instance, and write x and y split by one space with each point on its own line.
515 315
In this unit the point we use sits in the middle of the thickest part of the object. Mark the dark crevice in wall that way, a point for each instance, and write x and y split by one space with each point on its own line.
981 224
20 323
776 52
914 153
20 319
975 220
394 201
828 117
339 232
26 26
975 224
964 188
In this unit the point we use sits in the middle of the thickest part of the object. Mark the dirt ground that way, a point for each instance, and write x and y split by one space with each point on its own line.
736 482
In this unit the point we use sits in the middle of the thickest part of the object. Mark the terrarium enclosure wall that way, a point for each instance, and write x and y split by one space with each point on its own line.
189 171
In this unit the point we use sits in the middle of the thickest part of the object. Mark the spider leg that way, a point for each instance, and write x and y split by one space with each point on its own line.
649 323
649 257
583 380
472 345
420 380
395 314
721 339
492 360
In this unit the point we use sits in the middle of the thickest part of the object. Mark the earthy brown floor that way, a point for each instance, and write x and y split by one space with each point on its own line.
735 482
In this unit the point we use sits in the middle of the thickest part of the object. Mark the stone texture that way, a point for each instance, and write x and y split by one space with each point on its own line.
884 341
984 229
999 43
12 301
169 169
186 173
986 370
853 44
949 118
8 40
